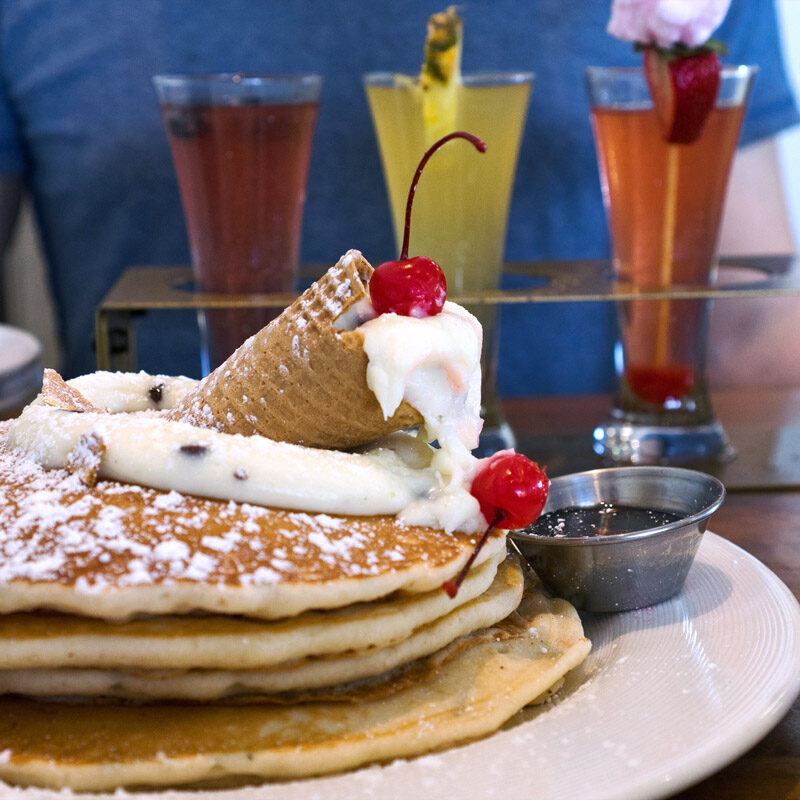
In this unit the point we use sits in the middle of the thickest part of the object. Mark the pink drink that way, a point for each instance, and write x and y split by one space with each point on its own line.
242 175
661 338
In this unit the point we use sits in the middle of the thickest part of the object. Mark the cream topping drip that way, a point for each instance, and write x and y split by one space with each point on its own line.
434 364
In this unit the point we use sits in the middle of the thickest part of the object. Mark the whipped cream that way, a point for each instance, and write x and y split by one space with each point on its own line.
141 447
666 22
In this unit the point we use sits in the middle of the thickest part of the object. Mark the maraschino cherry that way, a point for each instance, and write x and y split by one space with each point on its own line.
414 287
512 491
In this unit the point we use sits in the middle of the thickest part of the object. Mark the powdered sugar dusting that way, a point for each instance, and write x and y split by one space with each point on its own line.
53 528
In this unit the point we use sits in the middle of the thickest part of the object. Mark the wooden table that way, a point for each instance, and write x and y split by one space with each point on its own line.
765 522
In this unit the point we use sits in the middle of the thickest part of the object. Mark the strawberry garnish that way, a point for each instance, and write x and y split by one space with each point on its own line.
684 84
659 383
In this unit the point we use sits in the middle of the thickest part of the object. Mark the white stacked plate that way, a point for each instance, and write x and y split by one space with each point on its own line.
20 369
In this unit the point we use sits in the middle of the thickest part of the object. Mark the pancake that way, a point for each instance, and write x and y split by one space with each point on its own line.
41 639
462 692
302 674
114 550
185 600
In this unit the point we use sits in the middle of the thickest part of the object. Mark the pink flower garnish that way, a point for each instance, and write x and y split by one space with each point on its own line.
666 22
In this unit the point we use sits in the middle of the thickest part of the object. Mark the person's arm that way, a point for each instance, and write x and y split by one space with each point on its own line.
755 221
10 194
752 339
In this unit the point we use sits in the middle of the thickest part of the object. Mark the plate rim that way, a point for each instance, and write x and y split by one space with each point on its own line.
715 756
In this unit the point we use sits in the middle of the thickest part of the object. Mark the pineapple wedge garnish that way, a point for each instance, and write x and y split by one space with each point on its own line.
440 75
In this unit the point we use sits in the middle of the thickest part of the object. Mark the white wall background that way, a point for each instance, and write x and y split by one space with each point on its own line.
789 142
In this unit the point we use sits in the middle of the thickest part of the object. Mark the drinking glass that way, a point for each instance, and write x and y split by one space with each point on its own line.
241 146
460 210
664 204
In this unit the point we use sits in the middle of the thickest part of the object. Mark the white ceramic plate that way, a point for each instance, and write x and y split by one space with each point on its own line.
669 695
18 349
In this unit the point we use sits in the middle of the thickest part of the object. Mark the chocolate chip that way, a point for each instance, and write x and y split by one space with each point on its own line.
194 449
157 393
241 474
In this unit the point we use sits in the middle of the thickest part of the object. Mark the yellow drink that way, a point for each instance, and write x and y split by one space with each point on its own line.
461 204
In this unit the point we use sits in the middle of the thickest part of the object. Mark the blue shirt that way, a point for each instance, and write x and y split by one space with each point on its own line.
79 117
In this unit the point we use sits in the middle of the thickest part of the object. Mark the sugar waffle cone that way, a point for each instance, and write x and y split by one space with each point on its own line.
300 380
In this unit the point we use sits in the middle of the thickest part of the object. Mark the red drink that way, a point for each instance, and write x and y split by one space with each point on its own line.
664 204
242 174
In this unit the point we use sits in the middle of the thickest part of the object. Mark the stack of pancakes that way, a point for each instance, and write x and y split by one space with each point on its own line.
153 638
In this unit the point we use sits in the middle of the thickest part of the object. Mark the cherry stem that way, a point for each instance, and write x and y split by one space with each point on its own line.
451 587
479 145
